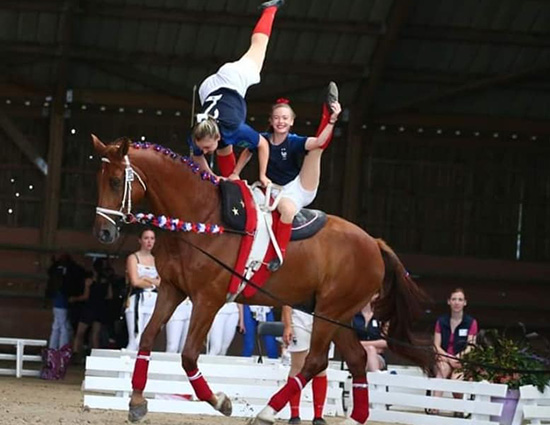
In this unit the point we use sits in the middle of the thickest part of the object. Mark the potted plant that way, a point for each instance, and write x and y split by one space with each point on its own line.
499 359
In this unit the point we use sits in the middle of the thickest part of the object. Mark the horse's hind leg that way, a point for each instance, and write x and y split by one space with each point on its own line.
202 316
168 299
356 358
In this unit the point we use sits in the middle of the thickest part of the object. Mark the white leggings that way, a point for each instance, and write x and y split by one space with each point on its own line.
61 329
222 333
176 334
133 339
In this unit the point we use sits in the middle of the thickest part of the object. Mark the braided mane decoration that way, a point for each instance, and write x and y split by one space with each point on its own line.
176 156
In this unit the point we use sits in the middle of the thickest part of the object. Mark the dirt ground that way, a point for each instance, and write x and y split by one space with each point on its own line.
34 401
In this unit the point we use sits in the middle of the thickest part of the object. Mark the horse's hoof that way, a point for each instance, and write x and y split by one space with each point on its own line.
265 417
137 412
223 405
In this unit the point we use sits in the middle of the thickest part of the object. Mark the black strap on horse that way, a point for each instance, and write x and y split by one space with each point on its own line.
345 325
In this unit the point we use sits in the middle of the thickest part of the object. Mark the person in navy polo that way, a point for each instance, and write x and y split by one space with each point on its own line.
454 336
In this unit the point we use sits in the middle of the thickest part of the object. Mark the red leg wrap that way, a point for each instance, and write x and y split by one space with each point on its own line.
319 386
284 395
360 400
139 378
265 23
226 164
199 384
295 403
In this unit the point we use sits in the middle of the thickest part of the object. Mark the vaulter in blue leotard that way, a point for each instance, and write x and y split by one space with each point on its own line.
221 122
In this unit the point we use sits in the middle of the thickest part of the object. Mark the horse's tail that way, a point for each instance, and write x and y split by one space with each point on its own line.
399 306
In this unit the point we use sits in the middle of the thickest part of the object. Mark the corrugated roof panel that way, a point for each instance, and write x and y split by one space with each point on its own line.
26 26
379 11
166 37
506 13
542 21
90 27
8 24
146 37
462 58
207 38
363 51
338 11
47 27
186 40
526 16
225 43
359 10
302 51
127 34
323 49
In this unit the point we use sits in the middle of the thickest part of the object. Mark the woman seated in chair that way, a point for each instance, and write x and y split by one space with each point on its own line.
370 332
454 336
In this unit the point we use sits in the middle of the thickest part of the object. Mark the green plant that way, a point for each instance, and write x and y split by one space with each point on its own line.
500 360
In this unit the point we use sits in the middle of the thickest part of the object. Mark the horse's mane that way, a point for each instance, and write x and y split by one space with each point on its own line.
166 152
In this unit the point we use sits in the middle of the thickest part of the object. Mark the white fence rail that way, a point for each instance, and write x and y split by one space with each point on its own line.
20 357
403 398
249 384
534 405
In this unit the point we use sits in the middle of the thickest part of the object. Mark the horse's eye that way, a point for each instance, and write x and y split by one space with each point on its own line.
115 182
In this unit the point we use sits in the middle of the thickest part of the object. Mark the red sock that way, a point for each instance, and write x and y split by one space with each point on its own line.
295 403
284 395
197 381
319 386
325 118
226 164
265 23
360 400
282 234
139 378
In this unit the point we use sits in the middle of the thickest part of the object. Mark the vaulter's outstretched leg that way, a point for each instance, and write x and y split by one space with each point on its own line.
256 55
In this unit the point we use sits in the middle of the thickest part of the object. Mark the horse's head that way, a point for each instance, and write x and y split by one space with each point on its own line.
117 188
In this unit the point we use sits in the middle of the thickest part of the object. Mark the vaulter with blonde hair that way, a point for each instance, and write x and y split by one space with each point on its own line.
221 122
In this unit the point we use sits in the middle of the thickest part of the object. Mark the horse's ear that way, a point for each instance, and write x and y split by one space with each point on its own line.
122 150
99 147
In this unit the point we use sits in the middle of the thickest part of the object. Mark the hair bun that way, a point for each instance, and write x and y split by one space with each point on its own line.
282 100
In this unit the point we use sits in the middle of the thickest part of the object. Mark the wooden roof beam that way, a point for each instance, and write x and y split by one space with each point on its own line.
482 84
362 107
476 36
482 123
19 139
8 49
189 16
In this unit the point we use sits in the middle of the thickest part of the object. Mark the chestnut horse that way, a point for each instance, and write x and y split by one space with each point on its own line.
339 269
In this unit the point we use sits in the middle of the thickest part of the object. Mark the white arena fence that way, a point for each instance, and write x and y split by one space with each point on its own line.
402 395
249 385
399 395
19 358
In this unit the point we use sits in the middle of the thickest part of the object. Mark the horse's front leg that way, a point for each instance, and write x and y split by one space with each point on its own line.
201 321
168 299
